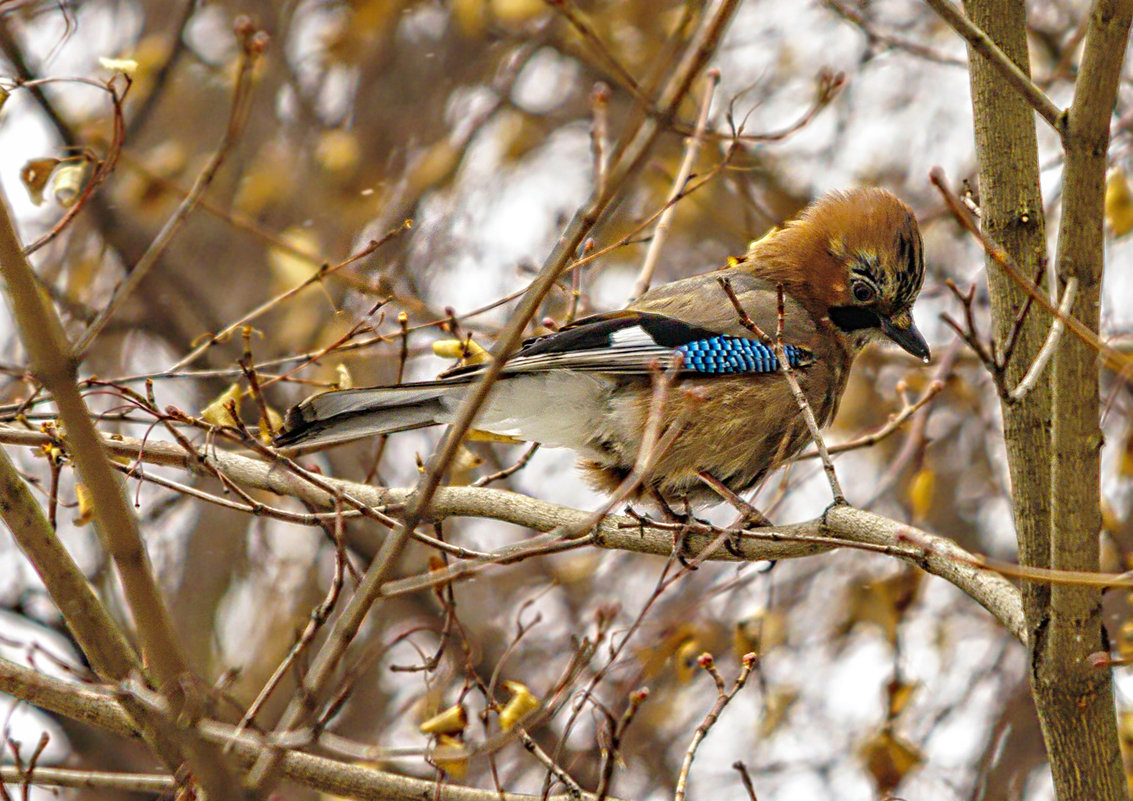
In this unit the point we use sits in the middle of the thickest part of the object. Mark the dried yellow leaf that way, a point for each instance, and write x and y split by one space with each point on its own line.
1124 644
515 13
450 721
433 166
271 176
656 657
67 182
1125 463
464 349
217 412
127 66
275 423
522 703
1118 203
451 756
883 602
463 463
469 16
684 660
889 759
898 694
776 705
86 504
288 267
35 175
758 633
921 492
338 151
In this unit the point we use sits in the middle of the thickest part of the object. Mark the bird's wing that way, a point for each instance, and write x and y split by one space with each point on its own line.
635 342
700 300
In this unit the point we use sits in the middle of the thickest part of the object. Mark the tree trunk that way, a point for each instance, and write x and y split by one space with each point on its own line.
1053 435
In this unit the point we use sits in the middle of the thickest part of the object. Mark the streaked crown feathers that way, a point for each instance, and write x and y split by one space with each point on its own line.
866 234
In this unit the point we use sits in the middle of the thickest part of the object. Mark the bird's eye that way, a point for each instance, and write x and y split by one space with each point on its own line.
864 293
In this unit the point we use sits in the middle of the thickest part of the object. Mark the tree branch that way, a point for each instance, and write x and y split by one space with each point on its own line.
564 527
98 708
981 43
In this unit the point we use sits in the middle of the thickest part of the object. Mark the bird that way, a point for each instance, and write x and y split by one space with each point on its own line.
844 273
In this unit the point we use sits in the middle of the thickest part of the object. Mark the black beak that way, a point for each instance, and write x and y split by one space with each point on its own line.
901 330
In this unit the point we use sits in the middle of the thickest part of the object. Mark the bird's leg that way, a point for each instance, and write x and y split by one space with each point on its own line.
680 536
750 517
642 519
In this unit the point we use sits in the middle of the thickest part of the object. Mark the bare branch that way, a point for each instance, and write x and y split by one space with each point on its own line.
1019 81
253 43
840 526
100 709
665 221
723 697
1048 348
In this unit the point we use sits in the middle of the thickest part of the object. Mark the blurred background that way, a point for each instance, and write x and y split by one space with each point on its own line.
476 119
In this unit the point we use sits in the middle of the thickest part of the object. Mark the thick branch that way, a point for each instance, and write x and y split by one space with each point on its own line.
841 525
1074 699
52 364
92 626
1012 214
326 775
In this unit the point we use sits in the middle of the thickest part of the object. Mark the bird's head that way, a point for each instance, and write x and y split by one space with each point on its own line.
860 258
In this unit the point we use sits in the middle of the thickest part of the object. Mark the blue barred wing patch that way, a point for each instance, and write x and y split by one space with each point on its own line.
634 343
723 354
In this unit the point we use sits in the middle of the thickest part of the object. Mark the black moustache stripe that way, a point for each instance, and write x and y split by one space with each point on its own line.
854 318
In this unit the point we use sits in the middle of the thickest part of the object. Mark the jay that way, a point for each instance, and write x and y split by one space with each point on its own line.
843 274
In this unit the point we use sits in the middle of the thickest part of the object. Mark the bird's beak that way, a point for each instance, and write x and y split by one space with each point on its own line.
899 328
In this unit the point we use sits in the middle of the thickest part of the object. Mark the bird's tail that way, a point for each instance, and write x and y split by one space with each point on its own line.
346 414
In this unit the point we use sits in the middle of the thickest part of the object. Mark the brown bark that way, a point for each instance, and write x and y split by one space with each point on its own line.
1075 699
1012 209
1053 434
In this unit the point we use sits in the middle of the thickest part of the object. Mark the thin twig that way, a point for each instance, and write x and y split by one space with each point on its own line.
788 373
665 221
521 463
588 35
723 697
1116 360
910 46
745 777
600 134
270 304
611 755
891 426
1012 337
914 443
804 405
318 617
253 44
1028 382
